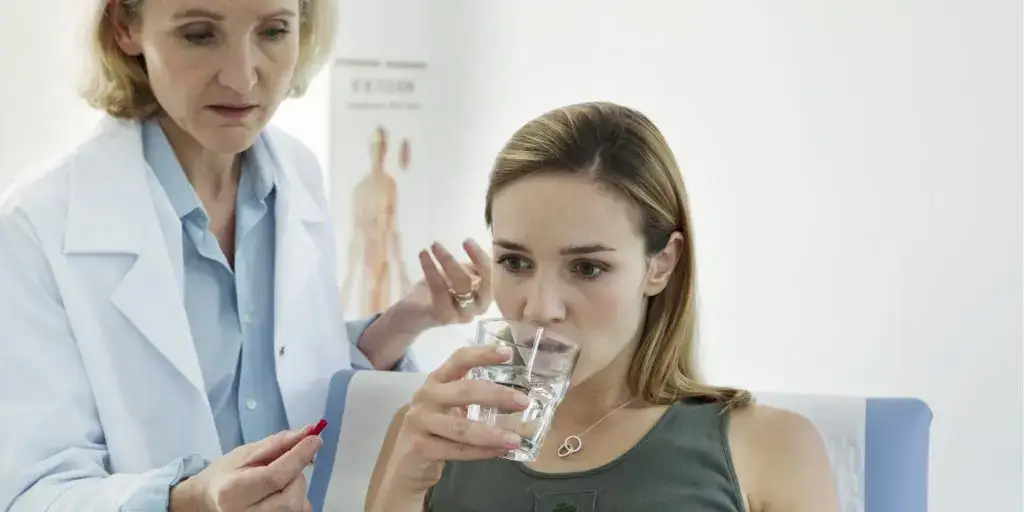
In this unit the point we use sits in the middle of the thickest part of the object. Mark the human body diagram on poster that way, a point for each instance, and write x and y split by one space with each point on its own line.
375 248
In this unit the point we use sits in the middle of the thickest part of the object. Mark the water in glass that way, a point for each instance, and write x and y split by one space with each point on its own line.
545 392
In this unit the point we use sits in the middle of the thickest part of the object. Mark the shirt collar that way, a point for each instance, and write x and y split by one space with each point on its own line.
161 158
256 183
261 167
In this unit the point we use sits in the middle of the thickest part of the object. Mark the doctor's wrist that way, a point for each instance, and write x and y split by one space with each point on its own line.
184 497
413 315
386 341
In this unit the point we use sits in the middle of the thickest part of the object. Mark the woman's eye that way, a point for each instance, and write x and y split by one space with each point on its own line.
199 37
588 269
513 264
275 33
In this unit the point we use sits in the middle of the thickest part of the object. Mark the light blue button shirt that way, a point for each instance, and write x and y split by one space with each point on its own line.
230 308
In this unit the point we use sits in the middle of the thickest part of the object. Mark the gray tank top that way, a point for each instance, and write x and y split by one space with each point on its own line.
683 463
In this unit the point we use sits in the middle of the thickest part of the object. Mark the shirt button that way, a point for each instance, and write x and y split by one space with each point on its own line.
250 403
280 351
246 319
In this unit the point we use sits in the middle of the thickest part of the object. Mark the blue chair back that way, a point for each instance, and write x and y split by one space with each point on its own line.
878 446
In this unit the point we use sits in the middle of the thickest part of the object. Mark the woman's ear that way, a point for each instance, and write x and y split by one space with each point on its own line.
662 264
124 34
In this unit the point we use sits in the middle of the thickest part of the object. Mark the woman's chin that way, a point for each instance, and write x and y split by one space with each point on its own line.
580 376
229 140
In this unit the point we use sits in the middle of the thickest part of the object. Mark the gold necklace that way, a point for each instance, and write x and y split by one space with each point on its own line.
574 443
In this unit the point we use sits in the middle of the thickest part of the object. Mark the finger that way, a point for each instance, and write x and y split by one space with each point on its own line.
254 484
481 297
440 449
265 451
481 264
292 498
435 279
270 448
438 287
462 393
462 281
462 430
467 358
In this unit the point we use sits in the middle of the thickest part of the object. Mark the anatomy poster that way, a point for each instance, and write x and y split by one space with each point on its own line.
379 182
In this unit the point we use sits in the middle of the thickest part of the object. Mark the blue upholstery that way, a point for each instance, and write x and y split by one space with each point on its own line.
897 434
334 413
895 465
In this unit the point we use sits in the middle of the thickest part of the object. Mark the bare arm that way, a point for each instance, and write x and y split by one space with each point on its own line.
390 501
782 462
384 457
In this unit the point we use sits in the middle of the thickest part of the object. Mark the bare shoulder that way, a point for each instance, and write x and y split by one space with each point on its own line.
780 426
781 461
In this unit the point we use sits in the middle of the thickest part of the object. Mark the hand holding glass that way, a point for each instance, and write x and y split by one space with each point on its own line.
541 366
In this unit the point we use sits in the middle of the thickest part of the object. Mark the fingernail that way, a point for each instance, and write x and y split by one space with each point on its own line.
505 352
511 440
521 399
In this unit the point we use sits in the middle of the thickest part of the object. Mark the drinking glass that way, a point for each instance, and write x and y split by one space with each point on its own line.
541 365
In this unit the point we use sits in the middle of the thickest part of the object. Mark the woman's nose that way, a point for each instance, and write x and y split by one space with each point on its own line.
239 69
543 304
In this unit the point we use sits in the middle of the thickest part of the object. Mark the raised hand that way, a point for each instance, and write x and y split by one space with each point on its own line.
436 429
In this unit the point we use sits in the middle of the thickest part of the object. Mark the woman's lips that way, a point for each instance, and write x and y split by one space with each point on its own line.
548 345
233 111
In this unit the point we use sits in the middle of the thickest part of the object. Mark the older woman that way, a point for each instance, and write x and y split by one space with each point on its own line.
169 312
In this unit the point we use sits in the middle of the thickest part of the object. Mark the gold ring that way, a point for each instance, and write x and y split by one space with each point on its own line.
463 300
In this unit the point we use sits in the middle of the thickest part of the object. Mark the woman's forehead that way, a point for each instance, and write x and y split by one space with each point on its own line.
557 211
218 10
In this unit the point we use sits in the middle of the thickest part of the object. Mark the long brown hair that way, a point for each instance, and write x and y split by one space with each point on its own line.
623 150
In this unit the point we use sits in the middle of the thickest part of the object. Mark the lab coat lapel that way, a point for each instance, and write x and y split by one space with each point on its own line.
297 255
140 224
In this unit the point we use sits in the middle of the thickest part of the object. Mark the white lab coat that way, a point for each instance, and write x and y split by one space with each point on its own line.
98 372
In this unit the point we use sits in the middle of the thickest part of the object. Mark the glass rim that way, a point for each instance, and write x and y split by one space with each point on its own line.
554 337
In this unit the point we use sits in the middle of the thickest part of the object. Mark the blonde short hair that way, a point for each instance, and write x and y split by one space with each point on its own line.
118 84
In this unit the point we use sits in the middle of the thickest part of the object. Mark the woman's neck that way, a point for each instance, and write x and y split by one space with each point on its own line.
600 393
212 175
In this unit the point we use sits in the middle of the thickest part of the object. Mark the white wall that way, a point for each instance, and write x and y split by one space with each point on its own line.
42 115
855 169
